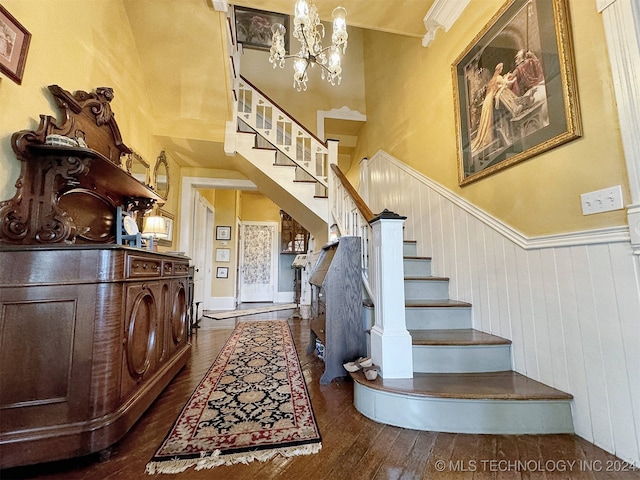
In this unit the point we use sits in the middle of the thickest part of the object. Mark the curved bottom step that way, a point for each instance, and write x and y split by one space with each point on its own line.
492 403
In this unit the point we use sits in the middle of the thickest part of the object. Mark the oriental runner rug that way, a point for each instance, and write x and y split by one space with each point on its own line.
250 311
252 404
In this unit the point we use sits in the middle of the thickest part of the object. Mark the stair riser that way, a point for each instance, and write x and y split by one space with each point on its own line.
429 318
426 289
461 358
417 267
410 249
503 417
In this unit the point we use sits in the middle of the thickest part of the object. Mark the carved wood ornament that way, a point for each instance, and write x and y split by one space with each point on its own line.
68 193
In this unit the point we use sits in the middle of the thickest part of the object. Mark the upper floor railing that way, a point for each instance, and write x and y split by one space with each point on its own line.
282 131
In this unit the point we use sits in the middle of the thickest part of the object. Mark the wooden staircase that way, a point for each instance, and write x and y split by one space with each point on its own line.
463 379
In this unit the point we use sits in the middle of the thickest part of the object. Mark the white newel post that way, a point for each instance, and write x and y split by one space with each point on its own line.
390 340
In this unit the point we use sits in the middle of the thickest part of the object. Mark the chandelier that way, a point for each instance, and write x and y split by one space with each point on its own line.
308 30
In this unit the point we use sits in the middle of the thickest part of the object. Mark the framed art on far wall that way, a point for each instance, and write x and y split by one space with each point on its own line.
223 233
222 272
515 91
14 45
253 27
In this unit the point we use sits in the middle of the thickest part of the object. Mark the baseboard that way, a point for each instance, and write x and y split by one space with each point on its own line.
221 303
284 297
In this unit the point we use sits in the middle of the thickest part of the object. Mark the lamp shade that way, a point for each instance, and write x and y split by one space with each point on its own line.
155 226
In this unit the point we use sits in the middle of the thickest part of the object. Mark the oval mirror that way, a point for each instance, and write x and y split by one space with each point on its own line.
161 175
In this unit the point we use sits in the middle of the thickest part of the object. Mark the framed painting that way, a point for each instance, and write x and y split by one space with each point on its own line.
253 27
222 272
14 45
515 89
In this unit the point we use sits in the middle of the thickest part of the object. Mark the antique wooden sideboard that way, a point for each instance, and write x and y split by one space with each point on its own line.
90 331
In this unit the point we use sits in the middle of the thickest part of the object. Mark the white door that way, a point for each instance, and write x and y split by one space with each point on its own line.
202 248
258 256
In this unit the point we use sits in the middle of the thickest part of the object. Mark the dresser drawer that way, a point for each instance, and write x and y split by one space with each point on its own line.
175 269
139 266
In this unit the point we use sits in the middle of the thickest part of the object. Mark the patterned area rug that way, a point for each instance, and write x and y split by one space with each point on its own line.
250 311
252 404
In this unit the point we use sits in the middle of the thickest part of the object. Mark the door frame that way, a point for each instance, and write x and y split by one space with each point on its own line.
188 187
274 258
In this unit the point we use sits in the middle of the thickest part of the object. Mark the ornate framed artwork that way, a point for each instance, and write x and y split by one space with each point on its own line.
223 233
14 45
253 27
515 89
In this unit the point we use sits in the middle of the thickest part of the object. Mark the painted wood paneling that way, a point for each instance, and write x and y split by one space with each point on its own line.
569 303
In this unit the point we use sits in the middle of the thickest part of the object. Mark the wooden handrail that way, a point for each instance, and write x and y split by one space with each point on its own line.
282 110
357 199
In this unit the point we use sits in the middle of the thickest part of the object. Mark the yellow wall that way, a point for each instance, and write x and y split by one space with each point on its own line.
410 114
57 58
278 83
258 208
225 201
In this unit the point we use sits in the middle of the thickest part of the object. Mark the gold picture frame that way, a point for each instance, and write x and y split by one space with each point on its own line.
515 90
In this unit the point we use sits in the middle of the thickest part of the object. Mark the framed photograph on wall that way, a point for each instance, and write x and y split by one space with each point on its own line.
14 45
223 254
223 233
515 89
222 272
253 27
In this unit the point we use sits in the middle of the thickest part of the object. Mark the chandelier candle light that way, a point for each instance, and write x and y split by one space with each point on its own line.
310 32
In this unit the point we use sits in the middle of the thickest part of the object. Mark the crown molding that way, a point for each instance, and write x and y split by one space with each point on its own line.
442 14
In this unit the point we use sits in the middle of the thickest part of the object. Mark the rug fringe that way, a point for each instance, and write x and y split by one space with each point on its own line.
178 465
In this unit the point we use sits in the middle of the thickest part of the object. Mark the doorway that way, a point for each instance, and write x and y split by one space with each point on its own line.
258 262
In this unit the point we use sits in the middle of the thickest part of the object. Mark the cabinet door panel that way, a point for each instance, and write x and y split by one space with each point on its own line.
140 336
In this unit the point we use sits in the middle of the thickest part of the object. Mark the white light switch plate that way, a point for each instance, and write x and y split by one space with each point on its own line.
604 200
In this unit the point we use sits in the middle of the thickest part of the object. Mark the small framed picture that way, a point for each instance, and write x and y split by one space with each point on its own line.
223 254
223 233
14 45
222 272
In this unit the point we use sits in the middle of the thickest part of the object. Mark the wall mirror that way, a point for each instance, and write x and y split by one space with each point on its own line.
138 168
161 175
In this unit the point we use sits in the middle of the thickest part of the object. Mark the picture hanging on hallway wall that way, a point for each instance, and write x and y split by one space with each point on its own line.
253 27
515 89
14 45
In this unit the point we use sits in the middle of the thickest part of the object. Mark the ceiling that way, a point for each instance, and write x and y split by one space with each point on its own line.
183 51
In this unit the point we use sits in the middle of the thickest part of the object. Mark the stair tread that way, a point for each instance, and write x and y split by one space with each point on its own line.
506 385
462 336
436 303
427 278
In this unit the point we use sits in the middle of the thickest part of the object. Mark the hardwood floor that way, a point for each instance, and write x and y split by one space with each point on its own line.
354 447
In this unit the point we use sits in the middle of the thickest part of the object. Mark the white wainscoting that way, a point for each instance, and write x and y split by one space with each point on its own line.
569 303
